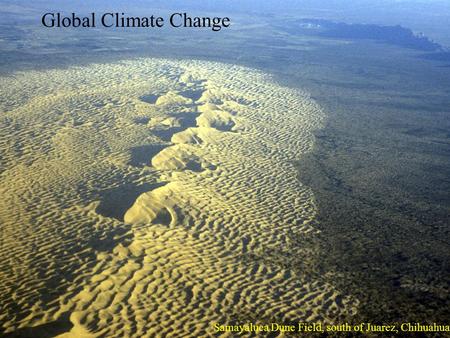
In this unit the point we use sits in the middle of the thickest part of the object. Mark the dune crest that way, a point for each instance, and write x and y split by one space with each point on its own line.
158 203
177 157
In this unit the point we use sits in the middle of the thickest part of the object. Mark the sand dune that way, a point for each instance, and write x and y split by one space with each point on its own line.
177 157
155 198
214 117
196 135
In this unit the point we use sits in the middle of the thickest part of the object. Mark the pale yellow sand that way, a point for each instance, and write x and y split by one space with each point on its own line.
130 216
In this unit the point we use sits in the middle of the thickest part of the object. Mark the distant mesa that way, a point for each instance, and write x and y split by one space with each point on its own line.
394 35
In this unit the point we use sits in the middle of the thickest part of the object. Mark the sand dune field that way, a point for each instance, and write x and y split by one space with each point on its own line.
155 198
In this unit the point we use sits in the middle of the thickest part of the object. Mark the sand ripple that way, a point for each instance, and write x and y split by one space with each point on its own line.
142 199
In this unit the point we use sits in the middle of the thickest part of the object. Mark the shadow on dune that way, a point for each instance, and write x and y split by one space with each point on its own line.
115 202
186 121
149 98
46 330
143 155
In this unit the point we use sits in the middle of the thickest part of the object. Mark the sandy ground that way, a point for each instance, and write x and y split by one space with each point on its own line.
141 199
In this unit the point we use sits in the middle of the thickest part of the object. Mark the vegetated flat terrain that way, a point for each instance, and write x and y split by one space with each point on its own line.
380 175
